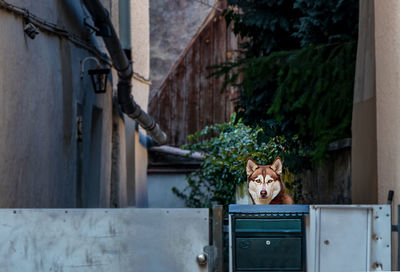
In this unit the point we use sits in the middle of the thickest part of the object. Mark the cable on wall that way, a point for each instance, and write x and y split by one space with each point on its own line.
54 29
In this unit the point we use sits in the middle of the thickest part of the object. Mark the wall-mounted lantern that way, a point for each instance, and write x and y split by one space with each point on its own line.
98 76
99 79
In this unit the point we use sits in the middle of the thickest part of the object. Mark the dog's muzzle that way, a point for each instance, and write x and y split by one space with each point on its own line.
263 193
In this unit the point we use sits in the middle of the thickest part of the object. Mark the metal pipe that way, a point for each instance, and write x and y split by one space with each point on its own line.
171 150
125 72
125 23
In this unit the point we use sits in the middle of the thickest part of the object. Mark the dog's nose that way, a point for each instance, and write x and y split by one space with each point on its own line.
263 193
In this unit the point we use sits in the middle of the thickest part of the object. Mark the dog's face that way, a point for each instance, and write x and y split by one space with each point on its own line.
264 182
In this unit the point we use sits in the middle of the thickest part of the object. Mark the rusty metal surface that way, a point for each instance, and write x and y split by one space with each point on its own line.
188 100
103 239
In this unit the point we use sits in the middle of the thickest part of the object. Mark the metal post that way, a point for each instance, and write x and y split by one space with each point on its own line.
217 234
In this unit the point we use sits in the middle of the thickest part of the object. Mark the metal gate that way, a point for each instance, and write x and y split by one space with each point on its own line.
103 239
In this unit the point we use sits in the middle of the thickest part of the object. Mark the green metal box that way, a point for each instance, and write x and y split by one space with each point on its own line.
267 238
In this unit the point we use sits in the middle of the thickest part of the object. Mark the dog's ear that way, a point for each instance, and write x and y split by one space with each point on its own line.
277 166
251 166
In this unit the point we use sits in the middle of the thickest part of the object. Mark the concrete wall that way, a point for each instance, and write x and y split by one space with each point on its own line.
42 96
376 122
173 24
36 127
160 190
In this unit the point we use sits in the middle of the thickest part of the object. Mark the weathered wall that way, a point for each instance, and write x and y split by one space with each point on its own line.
172 24
42 95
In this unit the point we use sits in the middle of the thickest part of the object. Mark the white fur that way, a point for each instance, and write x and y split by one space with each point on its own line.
251 166
277 166
272 189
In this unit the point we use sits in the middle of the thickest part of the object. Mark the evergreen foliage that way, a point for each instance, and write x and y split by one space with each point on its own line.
266 25
304 93
278 25
295 77
296 71
326 21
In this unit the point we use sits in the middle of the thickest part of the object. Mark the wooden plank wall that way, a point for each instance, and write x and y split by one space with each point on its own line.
330 183
188 100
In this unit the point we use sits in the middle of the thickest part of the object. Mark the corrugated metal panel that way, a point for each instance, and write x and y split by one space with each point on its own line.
188 100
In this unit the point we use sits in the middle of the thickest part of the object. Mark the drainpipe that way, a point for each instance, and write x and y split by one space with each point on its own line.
125 72
124 13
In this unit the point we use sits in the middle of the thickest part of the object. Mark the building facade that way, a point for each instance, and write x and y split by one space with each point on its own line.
61 144
376 128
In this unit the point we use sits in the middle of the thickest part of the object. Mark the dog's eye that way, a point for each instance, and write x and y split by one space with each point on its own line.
258 180
270 180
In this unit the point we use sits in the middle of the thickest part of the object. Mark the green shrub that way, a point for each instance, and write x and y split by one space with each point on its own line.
224 165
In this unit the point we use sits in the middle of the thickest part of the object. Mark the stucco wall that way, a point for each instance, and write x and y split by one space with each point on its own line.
140 44
387 44
173 24
40 92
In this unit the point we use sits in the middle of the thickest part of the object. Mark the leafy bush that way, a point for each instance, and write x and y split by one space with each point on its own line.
225 159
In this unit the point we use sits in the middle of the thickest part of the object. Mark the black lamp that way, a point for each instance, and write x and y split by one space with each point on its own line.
99 79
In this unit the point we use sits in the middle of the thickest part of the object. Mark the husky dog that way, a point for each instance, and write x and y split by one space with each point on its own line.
264 183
